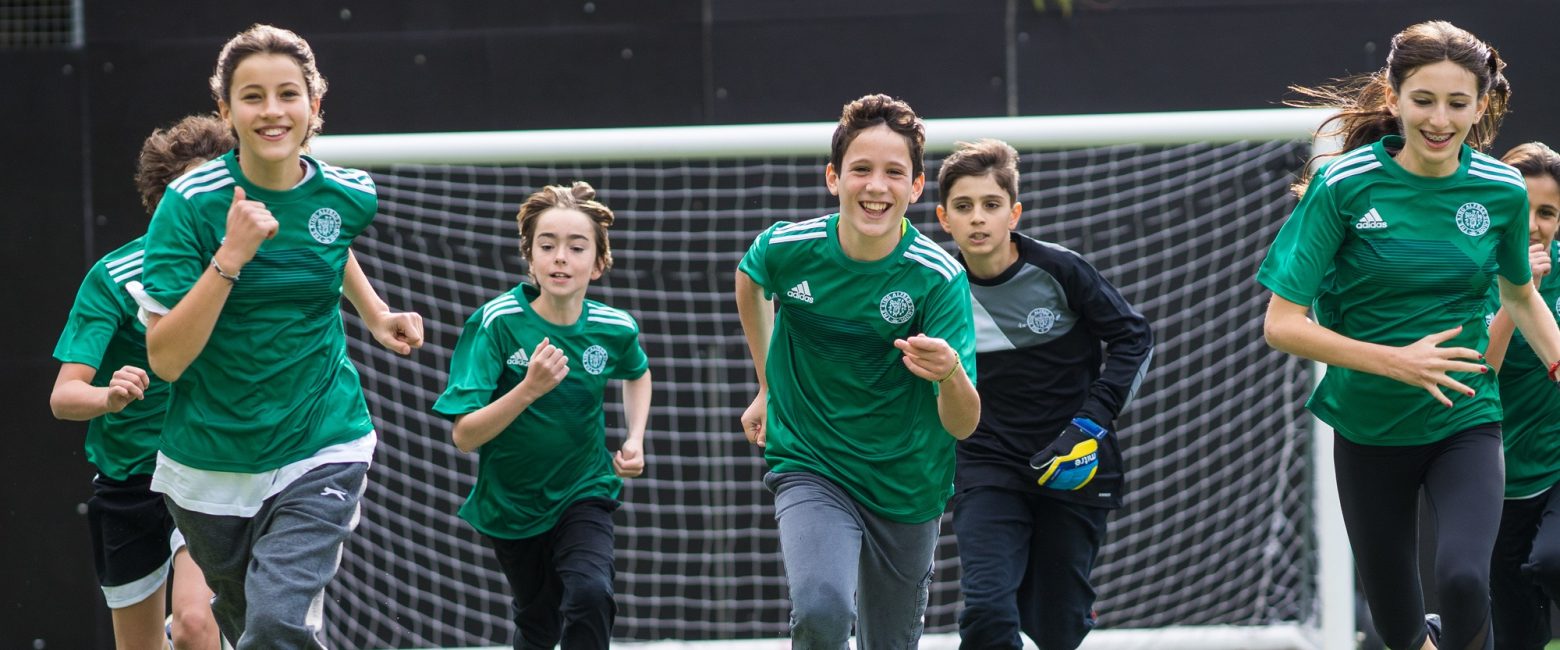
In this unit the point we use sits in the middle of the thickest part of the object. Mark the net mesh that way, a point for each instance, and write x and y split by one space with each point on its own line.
1217 526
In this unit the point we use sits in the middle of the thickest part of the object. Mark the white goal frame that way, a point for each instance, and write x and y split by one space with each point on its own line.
1335 579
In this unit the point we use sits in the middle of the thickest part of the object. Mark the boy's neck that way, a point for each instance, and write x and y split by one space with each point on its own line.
986 267
559 310
861 248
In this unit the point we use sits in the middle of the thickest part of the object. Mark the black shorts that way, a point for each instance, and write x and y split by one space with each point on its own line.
130 530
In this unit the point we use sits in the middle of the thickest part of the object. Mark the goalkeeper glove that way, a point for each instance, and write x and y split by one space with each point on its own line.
1070 461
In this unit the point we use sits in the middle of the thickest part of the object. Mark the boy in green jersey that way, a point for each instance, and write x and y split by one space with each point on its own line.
103 379
1525 569
1394 248
525 388
266 444
862 392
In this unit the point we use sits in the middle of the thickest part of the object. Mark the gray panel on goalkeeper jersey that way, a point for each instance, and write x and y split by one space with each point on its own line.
1027 310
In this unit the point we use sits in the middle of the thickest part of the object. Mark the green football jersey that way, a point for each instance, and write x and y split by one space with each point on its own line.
273 384
103 332
555 453
1384 256
842 405
1531 429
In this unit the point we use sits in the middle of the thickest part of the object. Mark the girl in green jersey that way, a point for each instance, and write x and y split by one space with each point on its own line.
526 385
265 448
1393 249
1525 569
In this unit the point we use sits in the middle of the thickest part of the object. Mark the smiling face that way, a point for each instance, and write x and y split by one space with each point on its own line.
1543 208
1436 105
979 215
269 108
563 253
876 184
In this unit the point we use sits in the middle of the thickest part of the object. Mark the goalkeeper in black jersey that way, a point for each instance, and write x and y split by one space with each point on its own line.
1060 354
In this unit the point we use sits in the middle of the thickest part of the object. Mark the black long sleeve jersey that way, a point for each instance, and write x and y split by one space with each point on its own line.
1054 341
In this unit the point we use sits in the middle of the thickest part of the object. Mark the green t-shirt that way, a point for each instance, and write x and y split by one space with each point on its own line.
842 405
1531 429
555 453
103 332
1384 256
273 384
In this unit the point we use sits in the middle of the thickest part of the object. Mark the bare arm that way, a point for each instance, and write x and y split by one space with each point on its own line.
1423 363
398 332
75 398
629 461
758 323
174 340
1501 329
1532 316
547 368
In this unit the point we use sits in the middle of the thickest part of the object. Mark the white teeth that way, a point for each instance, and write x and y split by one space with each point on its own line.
272 132
1437 138
874 206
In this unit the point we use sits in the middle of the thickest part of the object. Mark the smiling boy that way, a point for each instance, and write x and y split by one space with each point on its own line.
866 379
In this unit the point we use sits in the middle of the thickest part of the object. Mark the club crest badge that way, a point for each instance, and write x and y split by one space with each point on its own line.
325 225
594 359
897 307
1473 219
1040 320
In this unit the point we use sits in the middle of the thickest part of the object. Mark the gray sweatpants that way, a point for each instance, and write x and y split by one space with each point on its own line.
841 559
269 571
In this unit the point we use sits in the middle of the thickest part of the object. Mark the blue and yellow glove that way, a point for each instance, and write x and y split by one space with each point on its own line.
1070 461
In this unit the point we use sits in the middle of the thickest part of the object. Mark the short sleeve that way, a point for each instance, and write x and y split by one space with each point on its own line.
754 261
950 317
178 248
474 371
93 319
1512 256
634 362
1306 245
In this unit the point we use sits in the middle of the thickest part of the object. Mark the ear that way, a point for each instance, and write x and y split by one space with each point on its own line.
222 110
1484 105
1391 100
831 178
942 219
1018 208
597 269
314 106
916 187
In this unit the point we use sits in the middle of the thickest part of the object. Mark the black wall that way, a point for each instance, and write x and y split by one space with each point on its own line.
74 120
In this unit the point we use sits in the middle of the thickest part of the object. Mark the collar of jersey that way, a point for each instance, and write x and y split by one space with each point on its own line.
264 195
907 235
527 292
1382 150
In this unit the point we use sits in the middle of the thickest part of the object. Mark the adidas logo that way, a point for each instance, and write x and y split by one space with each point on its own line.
801 292
1371 221
519 358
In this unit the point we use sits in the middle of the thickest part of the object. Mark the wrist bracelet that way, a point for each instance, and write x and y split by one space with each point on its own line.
232 279
957 363
1552 368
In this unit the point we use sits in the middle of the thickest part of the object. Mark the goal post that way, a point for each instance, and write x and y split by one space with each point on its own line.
1228 538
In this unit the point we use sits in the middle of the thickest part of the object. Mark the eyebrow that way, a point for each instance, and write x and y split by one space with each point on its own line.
549 235
289 82
1427 91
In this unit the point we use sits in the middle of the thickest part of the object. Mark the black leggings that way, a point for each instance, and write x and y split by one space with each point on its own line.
1463 478
1525 571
